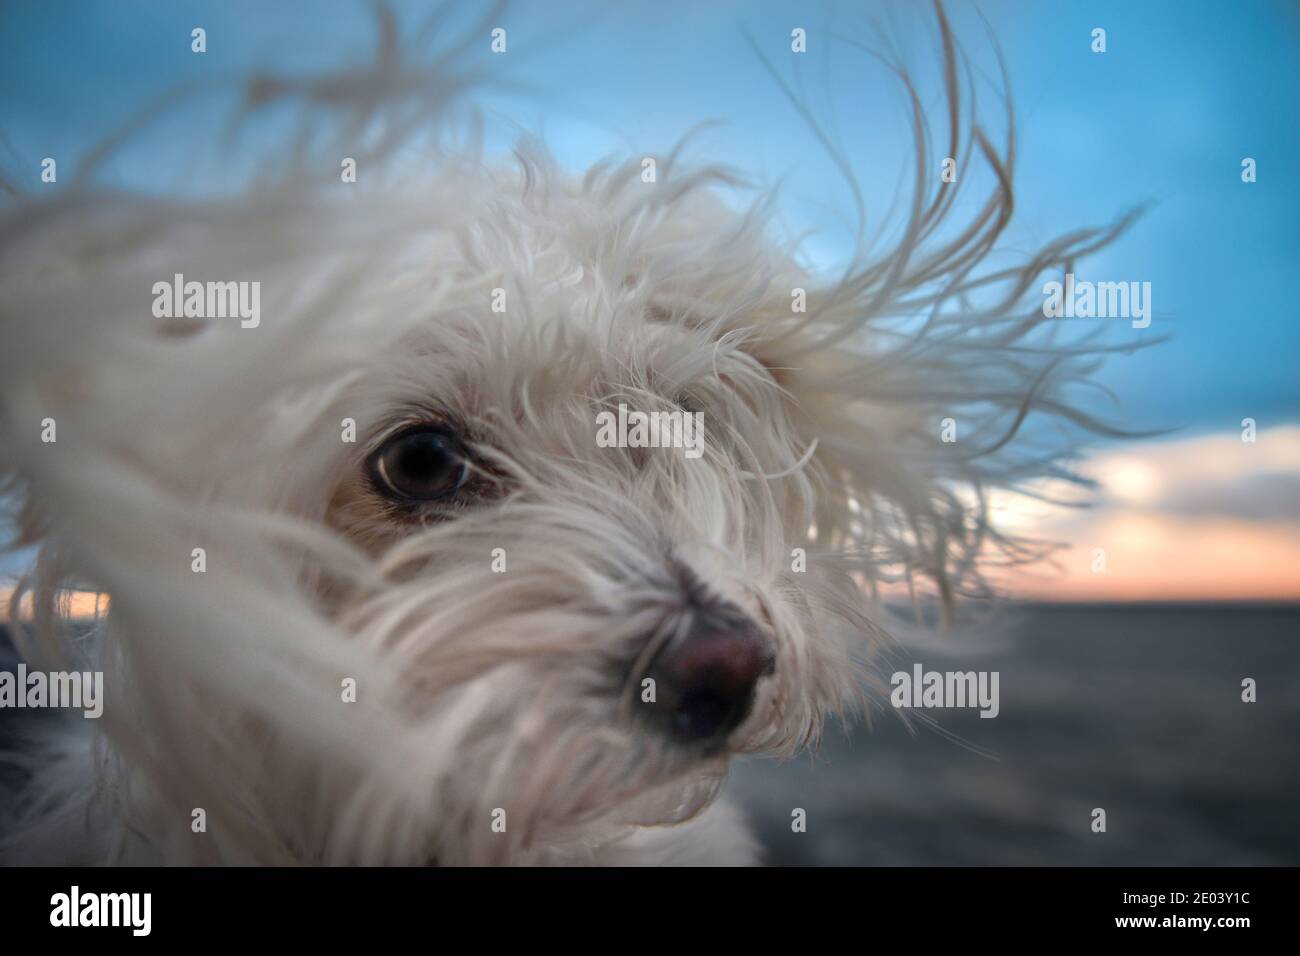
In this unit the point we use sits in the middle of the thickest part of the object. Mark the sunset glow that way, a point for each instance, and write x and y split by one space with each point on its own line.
1207 518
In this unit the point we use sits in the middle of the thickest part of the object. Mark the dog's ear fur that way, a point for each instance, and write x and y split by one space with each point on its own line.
921 401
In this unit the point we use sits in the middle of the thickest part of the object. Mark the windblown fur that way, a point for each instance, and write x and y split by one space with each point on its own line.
479 690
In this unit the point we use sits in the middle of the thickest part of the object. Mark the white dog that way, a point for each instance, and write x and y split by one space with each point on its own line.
378 593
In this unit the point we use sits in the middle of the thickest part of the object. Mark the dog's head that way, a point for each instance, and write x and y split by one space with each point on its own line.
592 497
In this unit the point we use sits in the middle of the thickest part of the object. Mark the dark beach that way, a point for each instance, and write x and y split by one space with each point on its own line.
1132 708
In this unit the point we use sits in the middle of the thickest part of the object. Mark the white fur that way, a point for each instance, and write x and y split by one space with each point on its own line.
481 690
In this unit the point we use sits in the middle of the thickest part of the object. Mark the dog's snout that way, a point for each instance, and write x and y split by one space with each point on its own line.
704 683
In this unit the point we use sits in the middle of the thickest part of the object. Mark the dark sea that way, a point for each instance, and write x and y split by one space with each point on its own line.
1136 710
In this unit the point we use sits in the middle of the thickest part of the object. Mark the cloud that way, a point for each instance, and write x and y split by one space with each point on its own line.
1273 496
1209 476
1210 517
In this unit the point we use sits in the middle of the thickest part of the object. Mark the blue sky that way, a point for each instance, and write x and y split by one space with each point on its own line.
1185 90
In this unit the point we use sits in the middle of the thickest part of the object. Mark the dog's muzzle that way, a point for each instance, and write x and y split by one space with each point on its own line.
705 681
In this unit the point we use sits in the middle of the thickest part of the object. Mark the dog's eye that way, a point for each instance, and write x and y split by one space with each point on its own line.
424 464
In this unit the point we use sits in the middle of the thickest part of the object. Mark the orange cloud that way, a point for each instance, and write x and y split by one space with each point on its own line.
1208 518
81 605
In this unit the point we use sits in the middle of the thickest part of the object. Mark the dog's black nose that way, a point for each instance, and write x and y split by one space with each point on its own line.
704 682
